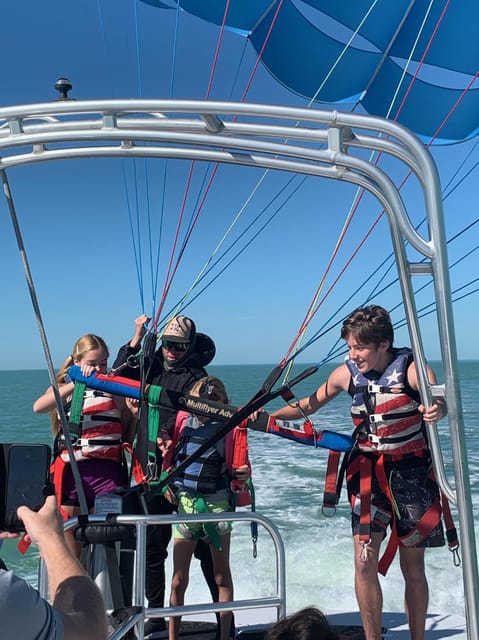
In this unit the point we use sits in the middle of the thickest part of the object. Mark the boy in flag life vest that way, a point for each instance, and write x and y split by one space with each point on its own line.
389 476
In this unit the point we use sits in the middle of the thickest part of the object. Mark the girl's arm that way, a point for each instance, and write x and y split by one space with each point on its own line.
47 402
128 415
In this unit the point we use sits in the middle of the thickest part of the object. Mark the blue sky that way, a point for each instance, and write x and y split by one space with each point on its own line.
75 215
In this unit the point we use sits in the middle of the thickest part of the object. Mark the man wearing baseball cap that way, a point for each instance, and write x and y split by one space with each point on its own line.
175 366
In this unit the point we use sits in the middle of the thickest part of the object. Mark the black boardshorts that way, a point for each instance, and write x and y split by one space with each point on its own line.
413 490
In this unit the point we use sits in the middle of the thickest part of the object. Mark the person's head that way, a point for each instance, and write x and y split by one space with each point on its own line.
369 335
90 350
177 339
307 624
369 325
87 350
210 388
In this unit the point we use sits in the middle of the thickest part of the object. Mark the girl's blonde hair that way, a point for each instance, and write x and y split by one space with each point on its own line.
84 344
210 388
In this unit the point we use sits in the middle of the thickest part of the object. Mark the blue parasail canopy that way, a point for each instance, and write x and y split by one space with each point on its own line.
368 50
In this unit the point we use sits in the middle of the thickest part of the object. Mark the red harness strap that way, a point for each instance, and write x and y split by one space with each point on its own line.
240 453
137 471
451 531
393 543
429 520
365 482
363 465
330 496
23 545
57 468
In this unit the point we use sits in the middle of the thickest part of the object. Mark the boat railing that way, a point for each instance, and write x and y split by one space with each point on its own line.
135 612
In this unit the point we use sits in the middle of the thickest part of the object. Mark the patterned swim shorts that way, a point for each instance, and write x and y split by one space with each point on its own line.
414 492
187 504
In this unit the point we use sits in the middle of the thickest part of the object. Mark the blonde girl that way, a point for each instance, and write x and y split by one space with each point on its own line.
106 423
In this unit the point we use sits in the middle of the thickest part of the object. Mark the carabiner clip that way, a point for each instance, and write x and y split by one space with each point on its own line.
132 362
363 554
152 471
297 406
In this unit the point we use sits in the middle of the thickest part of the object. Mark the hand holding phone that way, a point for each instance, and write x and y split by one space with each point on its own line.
24 480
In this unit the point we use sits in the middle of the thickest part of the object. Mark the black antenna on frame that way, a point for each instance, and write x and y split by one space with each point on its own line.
63 86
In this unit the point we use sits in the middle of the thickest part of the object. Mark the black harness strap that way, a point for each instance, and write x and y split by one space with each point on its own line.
264 395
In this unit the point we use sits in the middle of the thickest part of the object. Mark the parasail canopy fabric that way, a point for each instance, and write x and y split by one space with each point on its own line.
415 61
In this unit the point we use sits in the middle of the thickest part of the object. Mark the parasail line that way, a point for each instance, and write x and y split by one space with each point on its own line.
218 48
166 163
260 54
170 277
425 52
386 52
182 304
343 53
309 315
360 193
136 248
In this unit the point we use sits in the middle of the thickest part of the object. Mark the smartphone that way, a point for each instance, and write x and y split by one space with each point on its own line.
26 473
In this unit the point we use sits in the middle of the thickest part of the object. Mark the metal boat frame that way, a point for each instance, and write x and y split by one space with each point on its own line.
135 613
322 143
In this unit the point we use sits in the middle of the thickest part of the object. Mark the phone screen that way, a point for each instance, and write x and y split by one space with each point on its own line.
26 479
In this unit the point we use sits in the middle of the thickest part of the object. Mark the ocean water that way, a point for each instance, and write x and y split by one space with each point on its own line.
289 481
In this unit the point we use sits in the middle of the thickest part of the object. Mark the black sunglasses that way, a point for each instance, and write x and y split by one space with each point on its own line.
176 346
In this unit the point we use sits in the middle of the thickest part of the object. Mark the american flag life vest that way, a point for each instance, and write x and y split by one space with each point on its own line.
384 413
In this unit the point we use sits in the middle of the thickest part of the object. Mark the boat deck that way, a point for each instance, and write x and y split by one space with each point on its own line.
346 624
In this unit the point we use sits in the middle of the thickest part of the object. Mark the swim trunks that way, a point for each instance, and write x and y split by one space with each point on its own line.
196 530
413 490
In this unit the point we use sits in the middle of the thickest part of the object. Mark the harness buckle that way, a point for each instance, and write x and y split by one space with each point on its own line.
152 471
376 417
298 408
373 438
363 554
132 362
456 558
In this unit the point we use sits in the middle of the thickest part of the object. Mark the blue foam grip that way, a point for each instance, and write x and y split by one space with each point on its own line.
335 441
110 384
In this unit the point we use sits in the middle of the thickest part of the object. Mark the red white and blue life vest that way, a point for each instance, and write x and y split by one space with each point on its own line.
384 410
100 432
